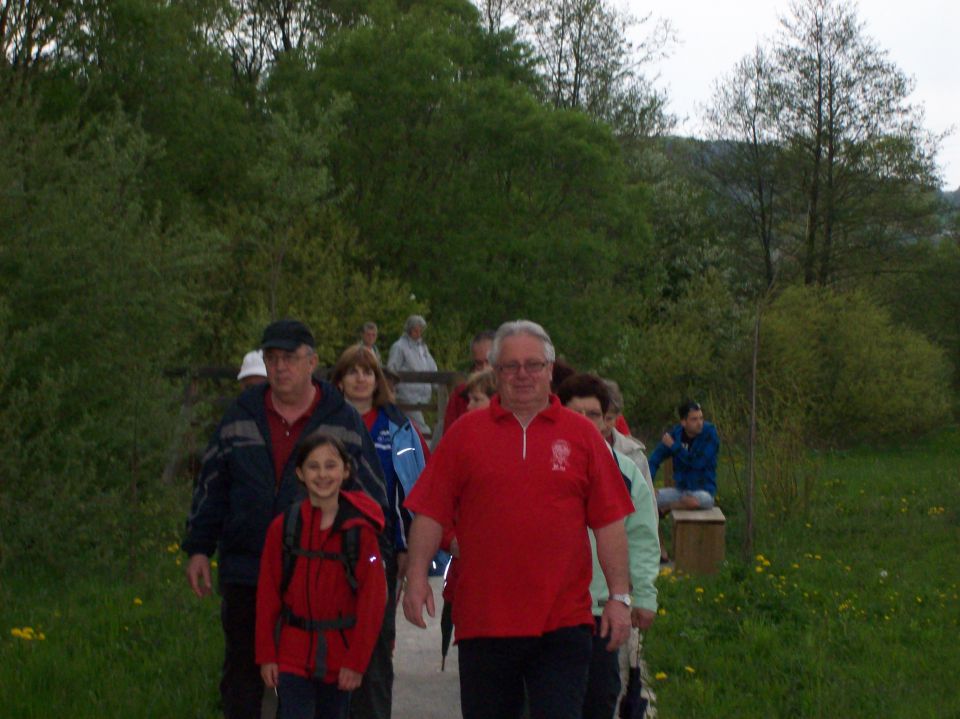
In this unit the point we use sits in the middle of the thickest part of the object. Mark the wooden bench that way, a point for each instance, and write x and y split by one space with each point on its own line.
698 539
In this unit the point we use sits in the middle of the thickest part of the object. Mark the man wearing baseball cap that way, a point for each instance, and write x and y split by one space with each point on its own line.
247 478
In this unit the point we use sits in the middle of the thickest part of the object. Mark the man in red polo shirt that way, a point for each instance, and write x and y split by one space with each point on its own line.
520 482
480 352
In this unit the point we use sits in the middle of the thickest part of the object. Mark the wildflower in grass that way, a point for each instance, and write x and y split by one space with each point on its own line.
660 676
662 612
173 548
758 569
689 670
699 590
817 557
25 633
137 601
214 564
808 525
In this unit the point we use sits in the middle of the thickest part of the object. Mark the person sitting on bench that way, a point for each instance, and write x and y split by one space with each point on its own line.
693 446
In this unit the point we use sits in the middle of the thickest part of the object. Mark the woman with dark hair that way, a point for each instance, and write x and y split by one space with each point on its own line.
403 454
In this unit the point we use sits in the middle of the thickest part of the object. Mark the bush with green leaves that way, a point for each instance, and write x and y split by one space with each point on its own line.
850 370
96 301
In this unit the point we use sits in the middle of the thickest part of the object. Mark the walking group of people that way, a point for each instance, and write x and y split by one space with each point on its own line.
326 508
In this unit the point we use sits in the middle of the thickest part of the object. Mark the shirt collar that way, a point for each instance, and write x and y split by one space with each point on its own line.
551 412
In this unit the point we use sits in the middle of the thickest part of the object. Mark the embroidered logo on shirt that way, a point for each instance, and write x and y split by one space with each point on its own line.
561 453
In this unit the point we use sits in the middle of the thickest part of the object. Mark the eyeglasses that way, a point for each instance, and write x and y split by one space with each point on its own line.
272 359
592 414
512 368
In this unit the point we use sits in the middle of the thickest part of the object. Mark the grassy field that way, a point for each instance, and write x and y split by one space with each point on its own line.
847 609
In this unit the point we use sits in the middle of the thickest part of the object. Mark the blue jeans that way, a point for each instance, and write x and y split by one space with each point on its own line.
302 698
494 671
669 495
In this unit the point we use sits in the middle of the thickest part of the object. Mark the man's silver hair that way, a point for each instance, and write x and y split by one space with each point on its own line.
413 321
616 397
522 327
369 326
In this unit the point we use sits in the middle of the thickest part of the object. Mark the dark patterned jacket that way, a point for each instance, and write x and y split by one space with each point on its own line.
236 495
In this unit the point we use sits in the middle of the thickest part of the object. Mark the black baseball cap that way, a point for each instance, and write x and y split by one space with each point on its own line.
286 335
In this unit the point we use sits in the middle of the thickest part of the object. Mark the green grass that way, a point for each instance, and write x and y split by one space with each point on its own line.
847 609
854 614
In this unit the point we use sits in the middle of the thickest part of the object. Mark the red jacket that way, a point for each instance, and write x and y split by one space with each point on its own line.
318 589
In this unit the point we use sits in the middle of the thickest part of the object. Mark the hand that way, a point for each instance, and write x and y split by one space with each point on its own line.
271 674
642 619
667 440
417 595
198 574
615 623
455 548
348 679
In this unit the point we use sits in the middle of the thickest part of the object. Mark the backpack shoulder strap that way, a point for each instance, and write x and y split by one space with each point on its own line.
292 528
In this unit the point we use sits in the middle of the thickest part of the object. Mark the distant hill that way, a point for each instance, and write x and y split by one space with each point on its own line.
953 198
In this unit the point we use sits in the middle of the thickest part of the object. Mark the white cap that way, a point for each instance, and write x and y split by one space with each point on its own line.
253 365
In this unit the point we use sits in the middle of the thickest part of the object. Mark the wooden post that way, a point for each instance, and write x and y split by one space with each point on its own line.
751 441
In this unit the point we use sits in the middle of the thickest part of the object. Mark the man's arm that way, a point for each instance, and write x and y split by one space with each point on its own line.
612 554
643 548
395 359
208 510
701 457
424 540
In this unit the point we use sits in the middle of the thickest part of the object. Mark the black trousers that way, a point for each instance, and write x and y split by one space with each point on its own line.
494 672
241 687
603 682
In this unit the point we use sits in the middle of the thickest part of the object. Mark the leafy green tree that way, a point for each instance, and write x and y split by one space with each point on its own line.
96 301
457 180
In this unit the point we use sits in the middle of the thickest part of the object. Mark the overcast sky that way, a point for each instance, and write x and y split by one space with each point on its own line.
921 37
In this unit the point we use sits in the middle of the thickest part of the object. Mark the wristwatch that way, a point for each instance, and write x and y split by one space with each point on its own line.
622 598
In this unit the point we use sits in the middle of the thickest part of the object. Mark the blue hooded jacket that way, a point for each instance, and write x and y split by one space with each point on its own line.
694 468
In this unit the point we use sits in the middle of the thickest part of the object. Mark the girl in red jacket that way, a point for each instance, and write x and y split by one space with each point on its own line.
315 635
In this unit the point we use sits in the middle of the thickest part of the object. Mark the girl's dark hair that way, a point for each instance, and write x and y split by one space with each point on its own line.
319 439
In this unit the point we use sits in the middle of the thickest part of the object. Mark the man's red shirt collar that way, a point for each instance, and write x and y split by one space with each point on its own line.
551 411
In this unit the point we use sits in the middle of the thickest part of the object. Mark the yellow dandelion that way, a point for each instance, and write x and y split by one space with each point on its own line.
137 601
665 571
689 670
758 569
41 636
817 557
17 633
662 612
214 564
699 590
660 676
795 566
173 548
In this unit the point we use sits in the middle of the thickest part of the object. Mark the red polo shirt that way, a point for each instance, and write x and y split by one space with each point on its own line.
283 434
520 502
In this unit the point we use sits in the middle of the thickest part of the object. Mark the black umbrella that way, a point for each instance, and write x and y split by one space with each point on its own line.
634 705
446 631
